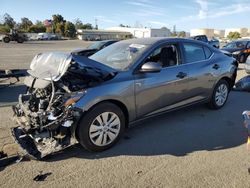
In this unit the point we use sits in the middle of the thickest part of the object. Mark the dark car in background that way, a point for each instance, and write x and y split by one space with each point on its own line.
92 100
214 42
93 48
240 49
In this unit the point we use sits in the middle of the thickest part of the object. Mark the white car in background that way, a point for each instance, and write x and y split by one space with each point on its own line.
47 36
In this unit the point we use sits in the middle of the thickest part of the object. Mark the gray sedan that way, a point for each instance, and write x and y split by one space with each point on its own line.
92 100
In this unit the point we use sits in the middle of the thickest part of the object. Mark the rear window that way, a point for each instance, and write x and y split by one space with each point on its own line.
194 53
208 52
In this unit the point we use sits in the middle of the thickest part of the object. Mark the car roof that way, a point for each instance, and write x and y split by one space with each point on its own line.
241 40
107 40
153 40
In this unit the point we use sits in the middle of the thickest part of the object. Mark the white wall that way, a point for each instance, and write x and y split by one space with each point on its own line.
143 32
219 33
160 33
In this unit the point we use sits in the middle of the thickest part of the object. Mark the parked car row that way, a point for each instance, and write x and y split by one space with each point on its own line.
240 49
93 48
214 42
47 36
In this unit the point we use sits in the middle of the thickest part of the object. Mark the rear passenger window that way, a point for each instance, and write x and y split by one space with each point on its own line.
208 52
193 53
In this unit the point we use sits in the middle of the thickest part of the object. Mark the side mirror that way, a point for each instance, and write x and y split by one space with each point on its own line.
151 67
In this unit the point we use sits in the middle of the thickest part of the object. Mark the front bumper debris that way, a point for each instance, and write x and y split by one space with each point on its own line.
26 143
33 149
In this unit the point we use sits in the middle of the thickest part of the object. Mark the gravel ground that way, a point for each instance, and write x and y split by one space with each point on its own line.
192 147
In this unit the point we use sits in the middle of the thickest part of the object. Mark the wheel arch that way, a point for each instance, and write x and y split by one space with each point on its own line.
229 80
118 103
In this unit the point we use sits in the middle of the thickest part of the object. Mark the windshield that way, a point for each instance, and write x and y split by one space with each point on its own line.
238 44
96 45
119 55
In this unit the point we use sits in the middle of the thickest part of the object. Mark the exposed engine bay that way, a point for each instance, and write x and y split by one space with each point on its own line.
45 114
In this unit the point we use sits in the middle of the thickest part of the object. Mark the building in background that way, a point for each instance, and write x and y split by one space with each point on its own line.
143 32
219 33
244 32
83 34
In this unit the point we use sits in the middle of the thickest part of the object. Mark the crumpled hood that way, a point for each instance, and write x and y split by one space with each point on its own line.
50 66
53 65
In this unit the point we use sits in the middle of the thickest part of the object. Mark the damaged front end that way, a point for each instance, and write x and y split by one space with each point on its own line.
46 115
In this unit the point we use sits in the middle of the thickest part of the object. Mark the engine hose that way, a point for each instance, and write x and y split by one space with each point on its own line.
52 95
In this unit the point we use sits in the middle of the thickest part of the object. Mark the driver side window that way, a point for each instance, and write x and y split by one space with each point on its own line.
166 55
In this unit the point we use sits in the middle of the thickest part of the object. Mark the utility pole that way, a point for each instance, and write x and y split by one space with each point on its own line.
96 24
174 30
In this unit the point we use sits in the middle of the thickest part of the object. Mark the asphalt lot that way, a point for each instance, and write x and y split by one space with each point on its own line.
192 147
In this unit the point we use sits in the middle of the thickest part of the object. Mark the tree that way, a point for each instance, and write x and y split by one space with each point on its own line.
58 23
173 35
57 18
121 25
4 29
37 29
60 28
182 34
70 30
233 35
39 23
8 21
49 30
85 26
25 24
78 23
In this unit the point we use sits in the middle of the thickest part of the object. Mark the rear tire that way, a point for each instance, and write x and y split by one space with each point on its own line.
6 39
20 40
220 95
101 127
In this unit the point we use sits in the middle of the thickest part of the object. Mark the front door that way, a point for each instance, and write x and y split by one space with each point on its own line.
155 91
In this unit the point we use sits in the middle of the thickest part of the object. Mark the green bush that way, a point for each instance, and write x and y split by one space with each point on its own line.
233 35
37 29
4 29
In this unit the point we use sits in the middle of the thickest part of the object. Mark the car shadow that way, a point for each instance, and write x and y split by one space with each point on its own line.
9 95
177 133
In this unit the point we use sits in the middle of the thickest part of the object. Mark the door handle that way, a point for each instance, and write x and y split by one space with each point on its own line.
181 75
216 66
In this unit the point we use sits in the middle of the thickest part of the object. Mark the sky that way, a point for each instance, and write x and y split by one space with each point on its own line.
185 14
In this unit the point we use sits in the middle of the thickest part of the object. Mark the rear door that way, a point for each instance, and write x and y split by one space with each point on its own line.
203 69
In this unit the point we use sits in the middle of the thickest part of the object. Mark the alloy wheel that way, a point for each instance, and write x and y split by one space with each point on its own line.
104 129
221 95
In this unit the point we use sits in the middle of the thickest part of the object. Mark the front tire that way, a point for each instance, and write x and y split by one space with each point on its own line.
6 39
101 127
220 95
